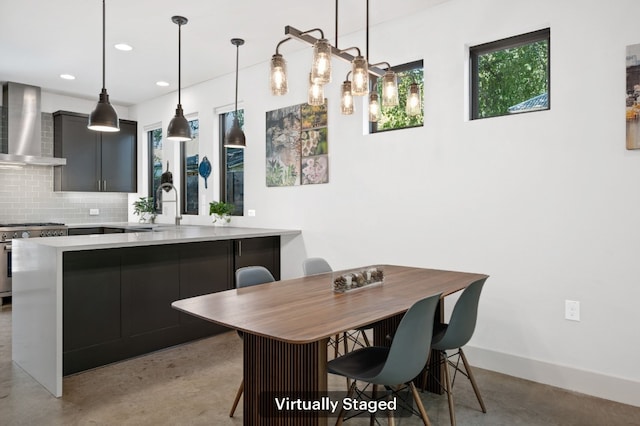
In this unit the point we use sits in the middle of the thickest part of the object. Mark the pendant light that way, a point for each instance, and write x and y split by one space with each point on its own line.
374 107
321 67
389 89
104 117
414 105
346 98
235 138
278 75
179 129
316 92
360 76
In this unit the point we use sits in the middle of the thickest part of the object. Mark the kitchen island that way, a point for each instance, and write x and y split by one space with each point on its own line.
88 300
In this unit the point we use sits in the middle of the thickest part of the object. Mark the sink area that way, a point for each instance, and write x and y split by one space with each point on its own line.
155 227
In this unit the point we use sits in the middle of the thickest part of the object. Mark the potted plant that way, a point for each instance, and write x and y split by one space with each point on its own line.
221 212
146 209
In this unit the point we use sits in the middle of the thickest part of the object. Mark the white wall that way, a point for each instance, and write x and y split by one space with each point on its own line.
544 203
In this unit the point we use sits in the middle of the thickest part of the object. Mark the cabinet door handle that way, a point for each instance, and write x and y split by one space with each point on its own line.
99 186
239 248
104 184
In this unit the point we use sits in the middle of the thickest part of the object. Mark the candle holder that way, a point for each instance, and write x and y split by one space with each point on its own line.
350 280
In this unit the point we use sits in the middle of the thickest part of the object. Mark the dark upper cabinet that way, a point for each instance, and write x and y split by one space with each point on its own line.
96 161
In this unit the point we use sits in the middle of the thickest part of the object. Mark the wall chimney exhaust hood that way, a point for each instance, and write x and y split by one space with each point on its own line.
21 128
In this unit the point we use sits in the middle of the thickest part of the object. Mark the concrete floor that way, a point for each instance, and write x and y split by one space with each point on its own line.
194 384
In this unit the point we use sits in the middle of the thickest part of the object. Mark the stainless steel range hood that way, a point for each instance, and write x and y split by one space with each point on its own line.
21 129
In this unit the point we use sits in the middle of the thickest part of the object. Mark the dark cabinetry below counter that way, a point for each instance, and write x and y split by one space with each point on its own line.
117 302
96 161
263 251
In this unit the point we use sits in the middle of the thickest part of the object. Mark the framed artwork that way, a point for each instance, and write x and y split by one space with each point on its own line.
297 151
632 98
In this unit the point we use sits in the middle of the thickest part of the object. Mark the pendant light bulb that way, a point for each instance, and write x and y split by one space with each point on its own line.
414 104
374 107
389 89
279 85
179 128
235 138
346 98
359 76
104 117
316 93
321 67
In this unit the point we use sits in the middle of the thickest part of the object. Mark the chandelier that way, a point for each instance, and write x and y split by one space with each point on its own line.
356 83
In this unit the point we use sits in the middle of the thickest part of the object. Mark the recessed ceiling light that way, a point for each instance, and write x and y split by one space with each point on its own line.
123 46
67 77
162 83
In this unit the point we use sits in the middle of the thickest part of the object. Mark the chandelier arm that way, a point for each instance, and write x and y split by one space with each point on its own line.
381 63
280 43
314 29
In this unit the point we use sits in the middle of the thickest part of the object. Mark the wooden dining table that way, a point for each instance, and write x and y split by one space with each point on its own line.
287 325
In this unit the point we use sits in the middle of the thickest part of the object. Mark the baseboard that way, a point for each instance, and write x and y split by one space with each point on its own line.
588 382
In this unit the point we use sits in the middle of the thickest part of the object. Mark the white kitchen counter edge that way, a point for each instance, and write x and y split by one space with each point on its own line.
37 288
164 234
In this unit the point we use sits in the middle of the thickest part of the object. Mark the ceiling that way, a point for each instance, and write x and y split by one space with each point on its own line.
39 40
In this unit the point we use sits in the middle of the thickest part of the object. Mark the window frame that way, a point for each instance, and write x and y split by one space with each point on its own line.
373 127
183 174
506 43
151 190
223 157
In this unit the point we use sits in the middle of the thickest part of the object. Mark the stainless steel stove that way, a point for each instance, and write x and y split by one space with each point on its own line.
11 231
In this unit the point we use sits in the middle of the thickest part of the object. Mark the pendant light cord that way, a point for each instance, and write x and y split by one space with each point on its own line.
104 42
337 24
179 59
367 41
235 114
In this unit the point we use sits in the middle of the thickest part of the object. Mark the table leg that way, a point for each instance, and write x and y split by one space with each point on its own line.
274 368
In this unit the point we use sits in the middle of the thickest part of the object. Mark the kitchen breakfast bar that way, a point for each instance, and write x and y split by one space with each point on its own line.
87 300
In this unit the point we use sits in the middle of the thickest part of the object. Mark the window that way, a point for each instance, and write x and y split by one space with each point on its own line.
231 166
510 76
190 162
156 162
396 117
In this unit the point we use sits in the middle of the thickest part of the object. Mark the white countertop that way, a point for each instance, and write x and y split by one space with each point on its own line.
159 234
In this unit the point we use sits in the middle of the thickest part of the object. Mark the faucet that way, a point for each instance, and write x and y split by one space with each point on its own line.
159 202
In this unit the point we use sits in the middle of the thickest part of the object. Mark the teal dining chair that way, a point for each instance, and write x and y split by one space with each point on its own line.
246 277
396 365
453 336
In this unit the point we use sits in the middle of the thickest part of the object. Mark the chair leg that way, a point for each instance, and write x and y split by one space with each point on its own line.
416 397
473 380
390 419
366 339
335 347
349 393
238 395
374 395
447 379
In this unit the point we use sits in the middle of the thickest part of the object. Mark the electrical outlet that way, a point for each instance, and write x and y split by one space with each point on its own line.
94 212
572 310
251 212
